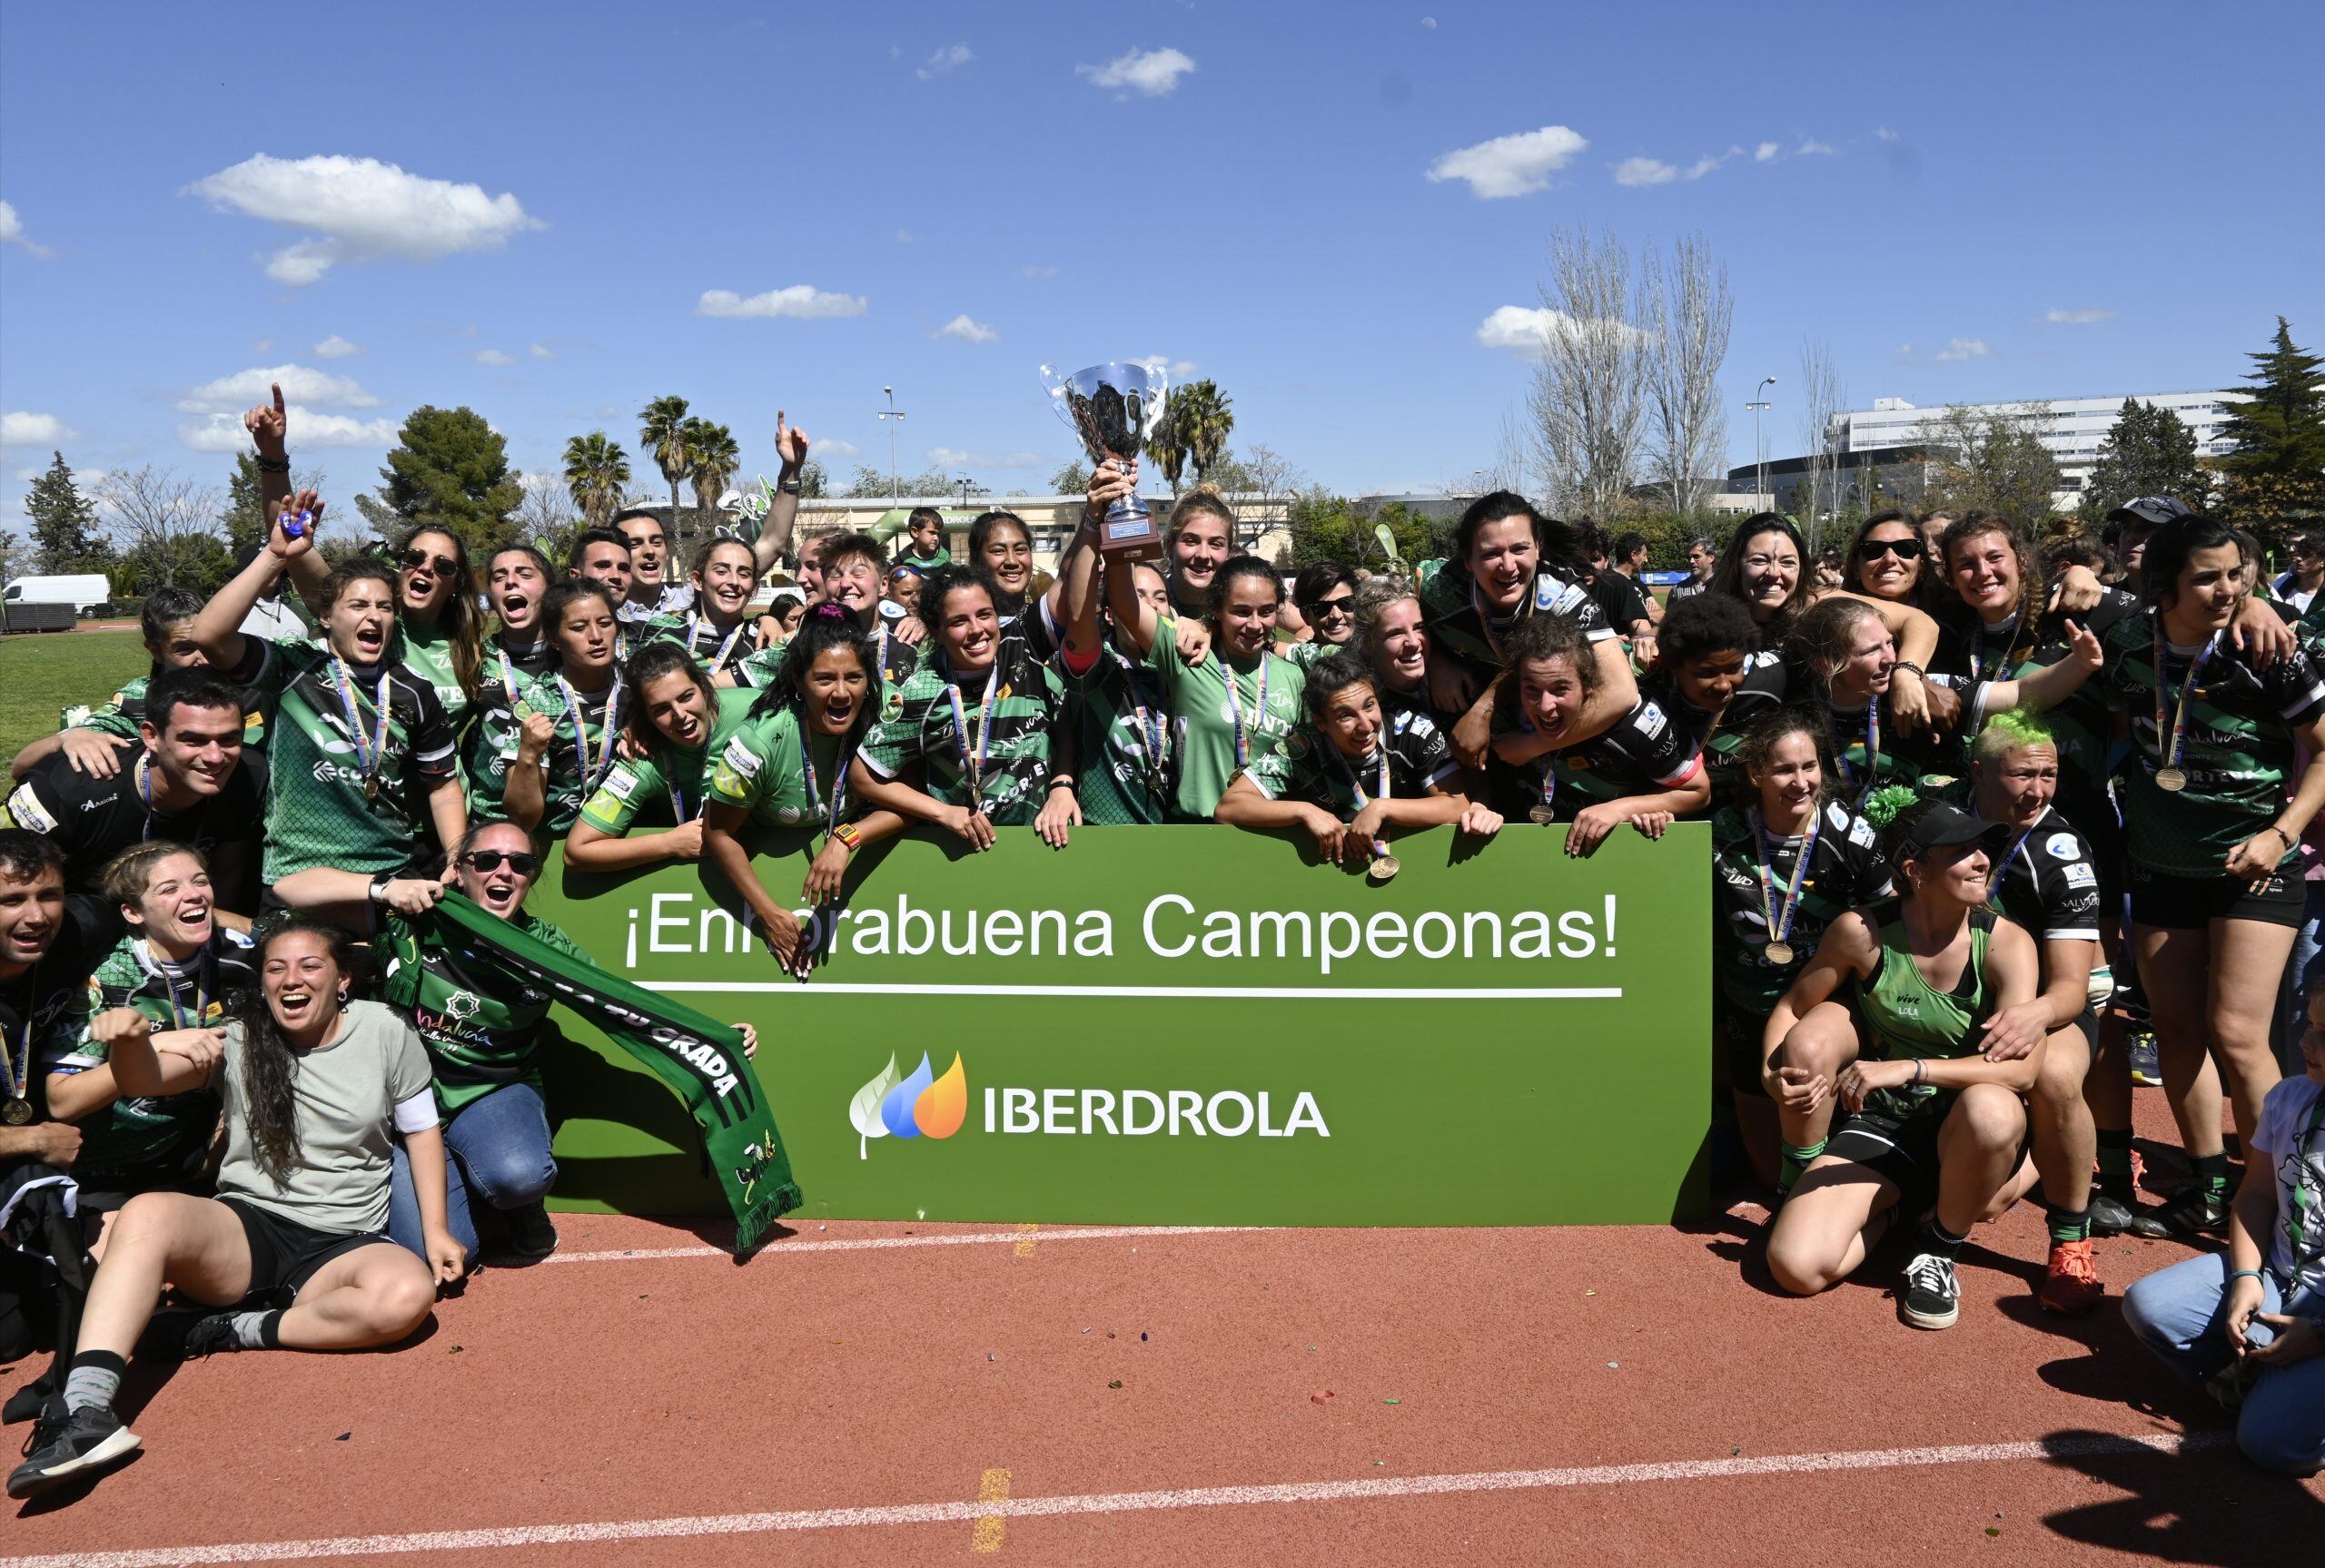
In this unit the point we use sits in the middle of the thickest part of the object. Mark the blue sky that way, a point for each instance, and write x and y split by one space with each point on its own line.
1967 203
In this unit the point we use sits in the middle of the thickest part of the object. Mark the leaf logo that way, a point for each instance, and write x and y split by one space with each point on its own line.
919 1105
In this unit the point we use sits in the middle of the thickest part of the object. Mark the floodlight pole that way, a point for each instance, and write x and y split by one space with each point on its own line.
1760 444
891 415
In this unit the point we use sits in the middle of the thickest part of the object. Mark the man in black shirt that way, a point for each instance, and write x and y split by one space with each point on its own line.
190 785
49 946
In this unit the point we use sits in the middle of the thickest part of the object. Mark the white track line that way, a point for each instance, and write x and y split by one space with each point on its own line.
1117 1503
774 1249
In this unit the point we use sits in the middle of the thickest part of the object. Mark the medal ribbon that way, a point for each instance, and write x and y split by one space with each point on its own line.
201 986
1235 709
146 793
590 776
19 1072
2002 867
1485 617
1872 747
815 802
1780 922
726 649
1379 845
368 758
2172 742
971 759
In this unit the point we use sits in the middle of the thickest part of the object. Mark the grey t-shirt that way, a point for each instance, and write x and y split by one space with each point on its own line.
347 1094
2291 1117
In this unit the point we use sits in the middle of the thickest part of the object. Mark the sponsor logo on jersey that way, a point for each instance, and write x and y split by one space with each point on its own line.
1650 720
2079 873
2063 846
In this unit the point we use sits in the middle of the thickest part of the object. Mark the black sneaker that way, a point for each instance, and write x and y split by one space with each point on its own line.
2194 1213
66 1444
2109 1214
2147 1069
27 1402
1932 1297
531 1234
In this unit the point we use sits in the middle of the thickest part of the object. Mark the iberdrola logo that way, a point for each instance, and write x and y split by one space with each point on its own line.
920 1105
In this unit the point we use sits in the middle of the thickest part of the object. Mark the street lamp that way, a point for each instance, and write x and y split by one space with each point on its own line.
964 482
1760 443
892 415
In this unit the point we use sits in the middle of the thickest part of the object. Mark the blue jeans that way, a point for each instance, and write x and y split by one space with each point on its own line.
2176 1313
2306 969
496 1151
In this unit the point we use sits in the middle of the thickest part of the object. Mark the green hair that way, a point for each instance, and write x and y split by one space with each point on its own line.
1881 807
2007 731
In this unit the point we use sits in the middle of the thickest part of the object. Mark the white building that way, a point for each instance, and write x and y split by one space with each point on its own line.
2071 428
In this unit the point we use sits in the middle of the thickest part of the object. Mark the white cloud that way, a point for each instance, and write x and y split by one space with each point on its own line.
824 447
1033 270
1883 134
232 394
1150 72
1523 330
541 351
263 347
19 429
1765 153
223 432
1177 371
492 357
952 57
12 231
1812 148
1429 22
364 209
968 332
946 457
1513 165
906 237
2077 318
1709 162
799 299
1965 348
1644 171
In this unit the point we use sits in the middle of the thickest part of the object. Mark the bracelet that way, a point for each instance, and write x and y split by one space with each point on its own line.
848 833
2290 841
272 465
1921 1071
1909 664
788 487
1060 783
2237 1274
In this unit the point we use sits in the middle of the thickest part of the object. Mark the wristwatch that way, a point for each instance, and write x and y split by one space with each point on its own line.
848 833
788 487
379 888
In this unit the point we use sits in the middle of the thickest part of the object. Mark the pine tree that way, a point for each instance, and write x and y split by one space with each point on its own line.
2148 451
65 526
2275 468
449 470
244 518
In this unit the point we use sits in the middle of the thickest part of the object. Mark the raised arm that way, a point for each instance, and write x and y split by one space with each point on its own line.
782 512
1134 614
217 629
1074 599
2052 684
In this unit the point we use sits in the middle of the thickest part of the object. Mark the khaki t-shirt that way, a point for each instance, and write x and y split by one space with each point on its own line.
347 1094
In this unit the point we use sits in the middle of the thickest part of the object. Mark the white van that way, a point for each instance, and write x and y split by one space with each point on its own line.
86 592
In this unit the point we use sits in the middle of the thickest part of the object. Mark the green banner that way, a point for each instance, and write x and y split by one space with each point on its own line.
1182 1025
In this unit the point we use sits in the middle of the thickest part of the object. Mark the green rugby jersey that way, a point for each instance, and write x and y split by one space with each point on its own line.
317 811
1123 759
1846 873
759 769
1203 723
897 659
2240 749
426 652
643 785
1968 649
939 556
480 1030
1418 756
577 762
136 1143
1909 1018
713 649
917 725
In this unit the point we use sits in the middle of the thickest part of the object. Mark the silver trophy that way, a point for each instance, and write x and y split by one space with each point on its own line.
1114 409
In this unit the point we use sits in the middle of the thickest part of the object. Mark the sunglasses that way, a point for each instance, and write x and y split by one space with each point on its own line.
1904 549
413 560
1339 607
491 859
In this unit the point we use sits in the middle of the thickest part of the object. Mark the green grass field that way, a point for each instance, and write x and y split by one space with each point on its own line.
41 672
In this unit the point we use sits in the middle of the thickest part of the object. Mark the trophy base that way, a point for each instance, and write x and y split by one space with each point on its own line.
1127 532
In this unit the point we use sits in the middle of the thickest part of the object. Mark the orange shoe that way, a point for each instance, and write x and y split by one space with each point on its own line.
2071 1286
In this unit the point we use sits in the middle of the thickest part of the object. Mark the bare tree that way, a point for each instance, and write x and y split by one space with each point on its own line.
166 525
1508 472
1822 396
546 512
1270 479
1590 394
1688 311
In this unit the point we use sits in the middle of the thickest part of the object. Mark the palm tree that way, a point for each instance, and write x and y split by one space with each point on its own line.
1165 449
663 431
1204 420
713 457
595 471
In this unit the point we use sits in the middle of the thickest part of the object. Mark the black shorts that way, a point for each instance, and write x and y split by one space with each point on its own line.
285 1253
1904 1149
1741 1039
2191 903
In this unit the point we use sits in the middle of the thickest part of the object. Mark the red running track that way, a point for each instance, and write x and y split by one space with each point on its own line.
1619 1396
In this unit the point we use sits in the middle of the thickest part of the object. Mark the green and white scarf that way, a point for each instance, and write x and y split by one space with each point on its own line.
699 1059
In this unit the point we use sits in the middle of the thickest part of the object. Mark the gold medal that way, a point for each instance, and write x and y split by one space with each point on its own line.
2173 780
1543 814
16 1113
1779 954
1382 868
371 787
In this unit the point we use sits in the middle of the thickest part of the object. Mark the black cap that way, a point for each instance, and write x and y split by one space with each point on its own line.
1944 824
2154 511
